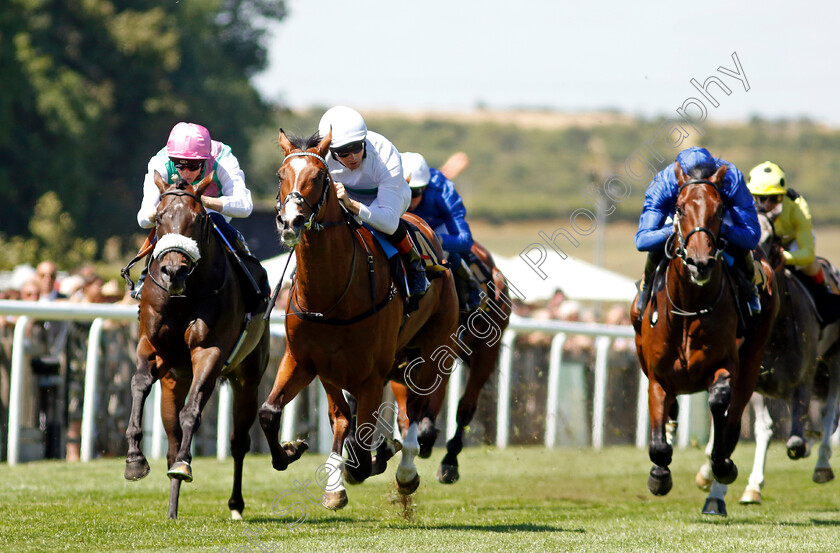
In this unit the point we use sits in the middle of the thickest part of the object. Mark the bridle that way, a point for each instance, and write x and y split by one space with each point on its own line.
682 241
680 252
315 210
191 254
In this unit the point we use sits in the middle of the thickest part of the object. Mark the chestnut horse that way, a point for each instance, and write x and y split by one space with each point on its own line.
687 338
479 343
346 325
797 352
194 329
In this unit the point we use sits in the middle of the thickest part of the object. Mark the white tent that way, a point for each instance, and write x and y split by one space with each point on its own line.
578 279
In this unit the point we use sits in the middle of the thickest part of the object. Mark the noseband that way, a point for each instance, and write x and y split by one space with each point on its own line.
184 245
298 197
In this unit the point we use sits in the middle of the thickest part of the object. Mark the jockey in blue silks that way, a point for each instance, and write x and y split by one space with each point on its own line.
740 229
435 200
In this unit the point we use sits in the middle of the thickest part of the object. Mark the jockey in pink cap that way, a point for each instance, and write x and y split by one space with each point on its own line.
190 154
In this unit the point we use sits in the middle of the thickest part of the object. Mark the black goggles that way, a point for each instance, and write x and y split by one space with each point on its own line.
188 164
417 192
347 149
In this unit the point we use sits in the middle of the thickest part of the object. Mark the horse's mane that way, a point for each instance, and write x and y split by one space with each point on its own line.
304 143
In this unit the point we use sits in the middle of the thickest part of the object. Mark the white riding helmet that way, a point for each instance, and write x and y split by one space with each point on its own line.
415 170
348 126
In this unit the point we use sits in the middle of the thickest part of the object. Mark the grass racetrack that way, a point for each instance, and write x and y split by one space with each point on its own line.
518 499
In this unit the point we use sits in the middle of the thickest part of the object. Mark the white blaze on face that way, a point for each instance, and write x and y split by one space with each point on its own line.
292 207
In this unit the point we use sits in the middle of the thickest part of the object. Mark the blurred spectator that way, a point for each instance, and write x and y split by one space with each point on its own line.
577 347
46 274
71 287
622 381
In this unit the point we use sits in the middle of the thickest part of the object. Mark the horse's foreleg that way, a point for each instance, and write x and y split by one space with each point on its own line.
172 396
426 432
335 494
136 466
660 451
822 471
291 379
763 430
206 364
361 438
720 405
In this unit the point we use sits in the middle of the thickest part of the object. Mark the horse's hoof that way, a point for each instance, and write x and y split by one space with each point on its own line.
295 449
660 482
727 472
235 515
334 500
448 474
714 507
750 497
703 482
821 476
797 448
137 469
409 487
180 471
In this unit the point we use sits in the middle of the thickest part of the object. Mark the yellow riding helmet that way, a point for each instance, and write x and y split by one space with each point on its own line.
767 179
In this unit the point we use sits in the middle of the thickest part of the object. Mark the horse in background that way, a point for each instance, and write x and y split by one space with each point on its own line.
687 338
479 341
797 353
195 328
346 324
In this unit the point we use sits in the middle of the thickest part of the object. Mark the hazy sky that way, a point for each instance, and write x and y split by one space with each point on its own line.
638 57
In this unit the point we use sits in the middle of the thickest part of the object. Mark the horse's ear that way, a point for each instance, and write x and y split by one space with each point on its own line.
285 145
680 174
159 182
719 174
324 144
205 182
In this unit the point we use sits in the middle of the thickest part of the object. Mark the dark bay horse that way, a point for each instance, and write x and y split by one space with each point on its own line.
690 343
346 325
479 343
194 329
797 350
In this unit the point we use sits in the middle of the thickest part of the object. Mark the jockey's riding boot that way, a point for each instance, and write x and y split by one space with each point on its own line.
750 289
469 289
415 268
241 246
138 288
644 290
418 283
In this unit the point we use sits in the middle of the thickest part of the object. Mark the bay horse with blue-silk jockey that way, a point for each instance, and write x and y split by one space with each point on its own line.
797 353
687 340
346 324
194 330
478 344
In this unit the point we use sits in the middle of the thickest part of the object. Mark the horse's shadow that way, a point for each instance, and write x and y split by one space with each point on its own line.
764 522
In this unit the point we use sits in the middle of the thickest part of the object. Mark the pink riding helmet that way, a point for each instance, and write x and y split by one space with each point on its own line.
189 141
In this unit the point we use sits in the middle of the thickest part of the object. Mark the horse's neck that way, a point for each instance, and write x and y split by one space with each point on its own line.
324 261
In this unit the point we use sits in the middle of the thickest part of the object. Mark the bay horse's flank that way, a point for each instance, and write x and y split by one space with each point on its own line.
346 325
686 339
194 329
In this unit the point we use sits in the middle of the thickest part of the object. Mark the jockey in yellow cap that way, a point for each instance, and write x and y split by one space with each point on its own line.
791 218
